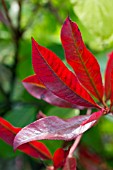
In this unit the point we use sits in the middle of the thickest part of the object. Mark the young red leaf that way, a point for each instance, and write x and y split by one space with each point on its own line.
58 78
34 148
59 158
34 86
54 128
108 74
70 164
93 117
111 96
81 59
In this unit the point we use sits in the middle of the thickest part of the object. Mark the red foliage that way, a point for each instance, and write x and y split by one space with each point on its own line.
81 59
108 76
35 149
57 85
59 158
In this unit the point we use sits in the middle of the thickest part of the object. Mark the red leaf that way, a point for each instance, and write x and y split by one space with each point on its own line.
108 75
70 164
93 117
58 78
59 158
54 128
111 96
81 59
34 149
39 91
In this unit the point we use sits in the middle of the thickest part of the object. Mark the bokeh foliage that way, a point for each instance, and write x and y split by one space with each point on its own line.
43 20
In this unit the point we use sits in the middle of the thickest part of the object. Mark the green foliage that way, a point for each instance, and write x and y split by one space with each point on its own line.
97 17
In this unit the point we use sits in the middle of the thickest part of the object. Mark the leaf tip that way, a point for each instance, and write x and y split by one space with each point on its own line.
33 40
14 145
67 19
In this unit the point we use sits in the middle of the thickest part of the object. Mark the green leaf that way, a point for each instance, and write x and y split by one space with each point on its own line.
97 17
20 116
64 113
7 150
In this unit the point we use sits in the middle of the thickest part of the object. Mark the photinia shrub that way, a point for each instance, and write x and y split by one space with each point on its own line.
57 85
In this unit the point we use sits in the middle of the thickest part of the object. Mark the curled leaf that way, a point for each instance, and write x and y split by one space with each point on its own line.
37 89
54 128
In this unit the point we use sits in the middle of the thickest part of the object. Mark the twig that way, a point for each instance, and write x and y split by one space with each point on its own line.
7 15
77 140
31 18
74 146
19 13
3 92
55 12
17 36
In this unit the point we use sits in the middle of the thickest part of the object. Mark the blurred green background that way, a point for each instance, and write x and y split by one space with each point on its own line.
42 19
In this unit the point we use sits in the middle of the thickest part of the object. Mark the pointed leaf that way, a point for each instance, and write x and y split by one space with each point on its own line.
7 131
94 116
34 149
70 164
111 96
108 75
54 128
34 86
57 77
81 59
59 158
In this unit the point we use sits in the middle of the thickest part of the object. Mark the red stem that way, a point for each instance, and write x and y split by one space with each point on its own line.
77 140
74 146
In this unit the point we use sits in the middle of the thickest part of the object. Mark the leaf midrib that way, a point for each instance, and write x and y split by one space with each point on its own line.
84 66
61 79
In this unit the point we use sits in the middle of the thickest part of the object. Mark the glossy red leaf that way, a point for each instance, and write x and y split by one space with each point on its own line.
93 117
111 96
58 78
59 158
81 59
34 86
55 128
108 83
34 148
70 164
